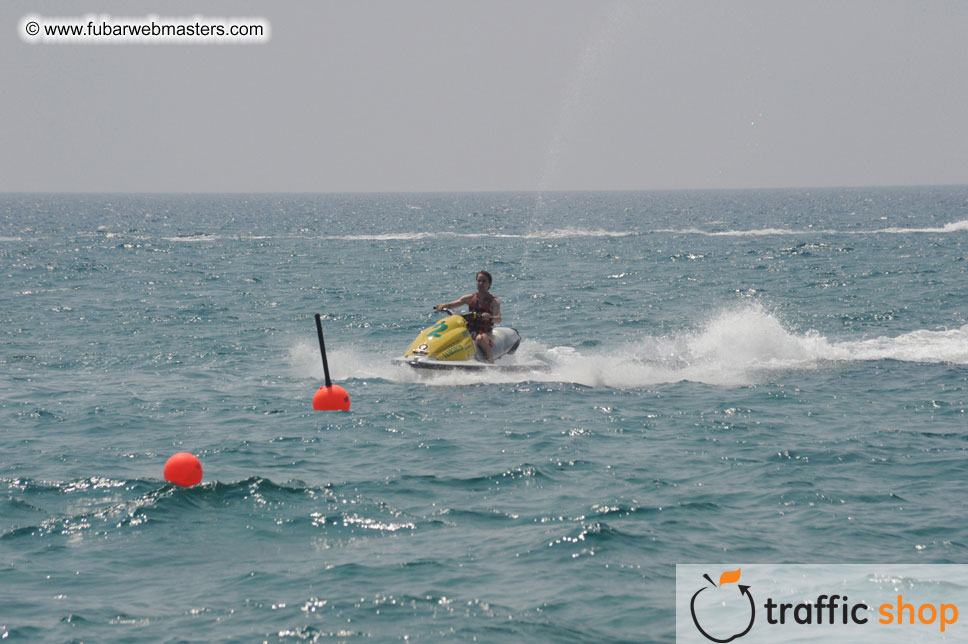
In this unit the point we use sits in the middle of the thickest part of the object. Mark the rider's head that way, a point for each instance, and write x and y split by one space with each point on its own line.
485 275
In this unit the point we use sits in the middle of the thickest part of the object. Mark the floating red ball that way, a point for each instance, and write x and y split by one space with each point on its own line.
332 398
183 469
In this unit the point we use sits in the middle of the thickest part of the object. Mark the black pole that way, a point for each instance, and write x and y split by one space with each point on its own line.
322 349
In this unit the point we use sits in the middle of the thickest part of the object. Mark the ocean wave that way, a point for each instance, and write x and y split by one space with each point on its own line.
209 237
201 237
953 227
102 509
561 233
760 232
558 233
99 506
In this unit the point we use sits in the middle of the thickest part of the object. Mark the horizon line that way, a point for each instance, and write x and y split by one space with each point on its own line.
480 191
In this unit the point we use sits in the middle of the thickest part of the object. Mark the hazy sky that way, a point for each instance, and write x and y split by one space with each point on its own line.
510 95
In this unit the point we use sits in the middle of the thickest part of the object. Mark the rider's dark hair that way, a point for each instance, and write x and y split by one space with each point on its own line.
490 280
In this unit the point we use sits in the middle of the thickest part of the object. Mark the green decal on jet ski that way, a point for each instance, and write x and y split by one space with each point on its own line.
451 351
437 330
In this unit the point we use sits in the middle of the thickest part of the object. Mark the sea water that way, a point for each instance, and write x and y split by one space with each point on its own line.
758 376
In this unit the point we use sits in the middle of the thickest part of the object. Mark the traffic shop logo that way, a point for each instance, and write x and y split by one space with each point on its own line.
708 622
901 607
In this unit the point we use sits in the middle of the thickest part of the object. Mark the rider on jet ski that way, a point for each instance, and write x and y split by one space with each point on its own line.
488 310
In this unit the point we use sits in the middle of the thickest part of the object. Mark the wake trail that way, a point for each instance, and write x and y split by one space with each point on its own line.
736 347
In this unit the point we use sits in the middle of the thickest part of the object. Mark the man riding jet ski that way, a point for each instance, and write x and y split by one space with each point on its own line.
468 341
487 310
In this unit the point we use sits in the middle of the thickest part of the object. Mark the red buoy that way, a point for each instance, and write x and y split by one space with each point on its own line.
329 397
332 398
183 469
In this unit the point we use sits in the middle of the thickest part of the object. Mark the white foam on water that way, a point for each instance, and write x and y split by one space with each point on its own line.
344 363
735 347
560 233
944 346
759 232
201 237
953 227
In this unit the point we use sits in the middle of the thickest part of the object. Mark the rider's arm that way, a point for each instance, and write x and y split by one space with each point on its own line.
452 305
496 311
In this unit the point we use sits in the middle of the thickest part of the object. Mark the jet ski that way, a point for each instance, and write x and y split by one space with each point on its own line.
448 345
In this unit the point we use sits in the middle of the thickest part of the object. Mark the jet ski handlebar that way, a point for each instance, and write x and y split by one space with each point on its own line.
469 315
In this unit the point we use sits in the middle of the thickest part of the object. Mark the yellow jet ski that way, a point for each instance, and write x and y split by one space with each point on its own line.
448 345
